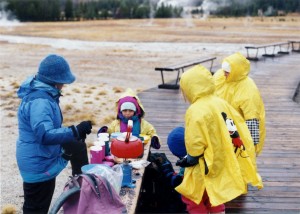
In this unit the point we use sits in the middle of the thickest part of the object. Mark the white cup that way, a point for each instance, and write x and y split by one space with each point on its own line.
103 136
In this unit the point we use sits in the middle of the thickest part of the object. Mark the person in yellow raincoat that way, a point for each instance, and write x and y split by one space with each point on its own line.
235 86
212 169
129 107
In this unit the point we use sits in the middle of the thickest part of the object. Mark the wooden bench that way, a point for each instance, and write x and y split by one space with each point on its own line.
180 68
269 50
295 46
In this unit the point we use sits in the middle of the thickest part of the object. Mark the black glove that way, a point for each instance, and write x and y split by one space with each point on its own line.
84 128
187 161
155 142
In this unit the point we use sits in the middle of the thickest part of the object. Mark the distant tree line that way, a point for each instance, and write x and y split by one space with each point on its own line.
56 10
73 10
259 7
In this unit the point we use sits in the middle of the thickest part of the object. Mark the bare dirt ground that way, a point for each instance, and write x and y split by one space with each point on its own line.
107 57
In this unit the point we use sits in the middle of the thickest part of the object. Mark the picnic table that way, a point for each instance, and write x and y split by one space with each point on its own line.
130 196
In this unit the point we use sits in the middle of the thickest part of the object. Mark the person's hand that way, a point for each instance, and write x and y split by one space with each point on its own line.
84 128
176 180
184 162
103 129
155 142
188 161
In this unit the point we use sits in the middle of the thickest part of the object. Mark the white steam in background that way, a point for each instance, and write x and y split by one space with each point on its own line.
178 3
209 6
6 17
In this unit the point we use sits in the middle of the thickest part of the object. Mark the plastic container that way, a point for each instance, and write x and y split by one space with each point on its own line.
115 135
104 137
114 174
108 163
109 158
97 154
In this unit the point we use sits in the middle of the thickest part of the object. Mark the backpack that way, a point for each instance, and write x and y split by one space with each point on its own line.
89 193
157 193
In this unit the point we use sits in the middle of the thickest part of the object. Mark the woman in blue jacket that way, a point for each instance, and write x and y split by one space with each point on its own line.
44 146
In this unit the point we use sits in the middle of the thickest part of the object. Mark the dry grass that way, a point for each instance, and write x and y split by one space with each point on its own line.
11 114
15 85
167 30
101 93
68 107
76 90
69 119
88 91
118 89
9 209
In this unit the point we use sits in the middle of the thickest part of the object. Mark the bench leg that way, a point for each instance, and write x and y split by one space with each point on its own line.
247 53
269 55
162 77
177 79
168 86
294 47
284 52
211 65
255 58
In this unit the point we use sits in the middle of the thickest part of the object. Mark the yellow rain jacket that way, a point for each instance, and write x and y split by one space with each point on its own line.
241 92
248 165
206 133
146 127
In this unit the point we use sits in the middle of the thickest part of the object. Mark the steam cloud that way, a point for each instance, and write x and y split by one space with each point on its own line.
209 6
179 3
6 17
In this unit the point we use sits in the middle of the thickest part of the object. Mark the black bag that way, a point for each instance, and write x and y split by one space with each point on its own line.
157 193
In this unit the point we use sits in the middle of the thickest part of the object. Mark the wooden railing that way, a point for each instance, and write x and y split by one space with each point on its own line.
269 50
180 68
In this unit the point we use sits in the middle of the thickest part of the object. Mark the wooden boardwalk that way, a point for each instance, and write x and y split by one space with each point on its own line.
279 163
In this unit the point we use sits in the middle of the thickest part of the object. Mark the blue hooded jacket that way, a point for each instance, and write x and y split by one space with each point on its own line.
39 148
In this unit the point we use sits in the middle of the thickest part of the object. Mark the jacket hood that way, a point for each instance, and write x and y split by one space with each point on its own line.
130 96
196 83
240 67
219 79
32 84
